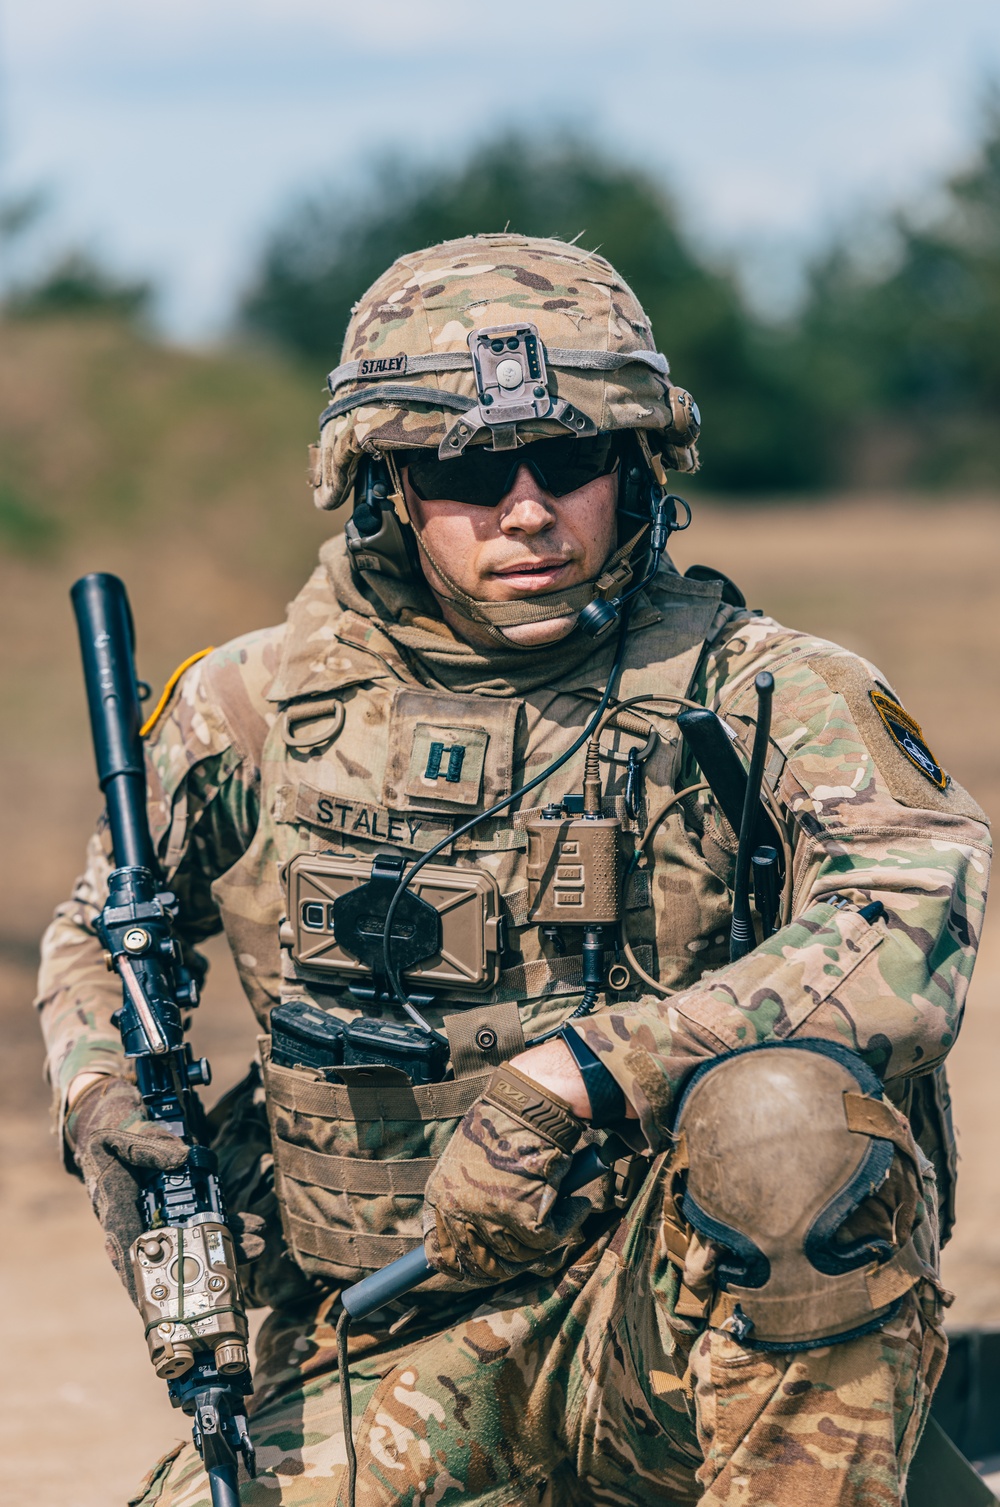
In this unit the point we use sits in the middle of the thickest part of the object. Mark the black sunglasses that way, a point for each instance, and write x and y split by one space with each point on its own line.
481 478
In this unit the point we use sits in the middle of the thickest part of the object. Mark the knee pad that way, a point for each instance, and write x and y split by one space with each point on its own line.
783 1143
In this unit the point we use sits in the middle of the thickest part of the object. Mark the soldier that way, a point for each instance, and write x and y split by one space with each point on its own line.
757 1317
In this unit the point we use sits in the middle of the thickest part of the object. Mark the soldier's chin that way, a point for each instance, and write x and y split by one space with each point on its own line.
549 631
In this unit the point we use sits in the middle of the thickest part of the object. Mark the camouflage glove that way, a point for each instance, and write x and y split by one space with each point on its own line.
117 1149
492 1202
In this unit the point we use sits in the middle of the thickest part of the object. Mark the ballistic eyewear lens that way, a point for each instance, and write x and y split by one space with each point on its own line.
482 478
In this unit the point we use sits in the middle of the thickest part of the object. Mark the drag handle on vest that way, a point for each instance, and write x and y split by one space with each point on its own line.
742 938
184 1264
400 1277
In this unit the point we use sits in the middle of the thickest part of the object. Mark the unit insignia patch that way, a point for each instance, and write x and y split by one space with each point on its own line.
907 735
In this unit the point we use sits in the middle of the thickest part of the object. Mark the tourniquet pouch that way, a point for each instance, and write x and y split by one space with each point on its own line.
351 1161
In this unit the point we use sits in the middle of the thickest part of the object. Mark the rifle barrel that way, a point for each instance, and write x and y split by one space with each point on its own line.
104 623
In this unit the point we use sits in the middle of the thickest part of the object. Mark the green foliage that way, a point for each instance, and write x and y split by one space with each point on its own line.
889 374
77 284
109 440
24 528
762 430
19 212
914 351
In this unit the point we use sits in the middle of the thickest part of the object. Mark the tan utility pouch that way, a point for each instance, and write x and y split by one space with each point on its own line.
352 1159
466 899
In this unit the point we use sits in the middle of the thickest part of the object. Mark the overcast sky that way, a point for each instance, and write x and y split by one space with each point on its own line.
171 135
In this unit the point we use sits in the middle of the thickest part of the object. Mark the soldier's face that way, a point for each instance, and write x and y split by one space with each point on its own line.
531 542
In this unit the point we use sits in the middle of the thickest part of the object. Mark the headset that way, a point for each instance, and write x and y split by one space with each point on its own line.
379 540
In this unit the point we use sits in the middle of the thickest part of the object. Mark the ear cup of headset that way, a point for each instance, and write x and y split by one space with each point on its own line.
636 487
633 484
376 539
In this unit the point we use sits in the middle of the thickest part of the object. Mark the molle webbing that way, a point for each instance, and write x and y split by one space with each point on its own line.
431 1101
351 1160
457 361
355 1249
484 1038
539 975
352 1174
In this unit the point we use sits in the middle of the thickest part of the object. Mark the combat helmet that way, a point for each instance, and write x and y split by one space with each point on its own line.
497 341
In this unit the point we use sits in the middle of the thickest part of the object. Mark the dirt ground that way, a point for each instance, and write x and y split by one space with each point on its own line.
914 585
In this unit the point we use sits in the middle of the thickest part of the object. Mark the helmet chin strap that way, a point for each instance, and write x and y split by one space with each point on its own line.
543 607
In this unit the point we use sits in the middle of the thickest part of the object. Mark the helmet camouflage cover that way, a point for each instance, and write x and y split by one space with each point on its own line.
407 377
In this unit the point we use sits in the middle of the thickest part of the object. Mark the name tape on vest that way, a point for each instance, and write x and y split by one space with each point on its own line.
358 819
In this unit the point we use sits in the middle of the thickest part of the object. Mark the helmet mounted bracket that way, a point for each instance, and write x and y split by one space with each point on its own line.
513 386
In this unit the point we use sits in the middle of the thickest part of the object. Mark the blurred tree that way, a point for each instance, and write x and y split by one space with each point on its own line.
908 358
24 527
77 284
18 212
762 431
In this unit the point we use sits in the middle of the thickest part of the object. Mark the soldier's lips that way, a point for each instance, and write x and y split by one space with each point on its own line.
533 575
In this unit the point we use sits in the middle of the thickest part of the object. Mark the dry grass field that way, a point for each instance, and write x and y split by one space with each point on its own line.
914 584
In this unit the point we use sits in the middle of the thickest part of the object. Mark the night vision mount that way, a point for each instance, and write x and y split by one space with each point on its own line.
512 384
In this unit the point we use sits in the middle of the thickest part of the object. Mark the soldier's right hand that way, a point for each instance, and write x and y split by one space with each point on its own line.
117 1148
492 1208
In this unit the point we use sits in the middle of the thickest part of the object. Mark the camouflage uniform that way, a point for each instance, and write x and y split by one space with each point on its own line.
864 823
602 1382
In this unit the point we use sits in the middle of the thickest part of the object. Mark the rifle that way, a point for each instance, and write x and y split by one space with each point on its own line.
184 1265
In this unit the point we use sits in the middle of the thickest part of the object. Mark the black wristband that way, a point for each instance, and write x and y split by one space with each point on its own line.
607 1102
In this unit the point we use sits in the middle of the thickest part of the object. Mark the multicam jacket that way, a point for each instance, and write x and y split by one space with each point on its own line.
296 752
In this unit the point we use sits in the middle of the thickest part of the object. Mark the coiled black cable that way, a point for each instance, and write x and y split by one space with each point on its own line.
494 810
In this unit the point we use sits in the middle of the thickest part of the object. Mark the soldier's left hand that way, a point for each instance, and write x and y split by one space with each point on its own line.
493 1208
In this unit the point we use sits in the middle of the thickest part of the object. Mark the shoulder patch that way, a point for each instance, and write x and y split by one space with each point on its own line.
168 691
912 775
906 732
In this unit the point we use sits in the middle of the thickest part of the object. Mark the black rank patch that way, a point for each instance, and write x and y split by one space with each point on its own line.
453 769
907 735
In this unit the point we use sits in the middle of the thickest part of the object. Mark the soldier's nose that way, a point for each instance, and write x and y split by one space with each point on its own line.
527 508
